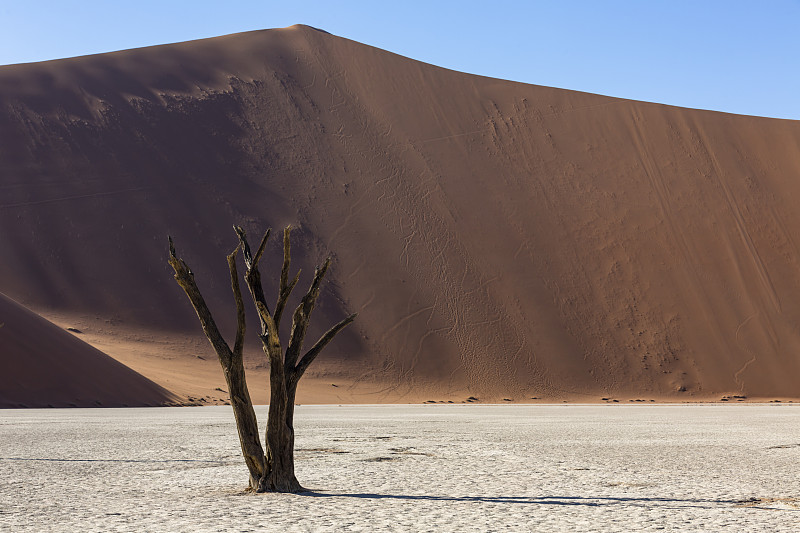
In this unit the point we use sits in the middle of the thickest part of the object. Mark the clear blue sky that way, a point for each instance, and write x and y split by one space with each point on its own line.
736 56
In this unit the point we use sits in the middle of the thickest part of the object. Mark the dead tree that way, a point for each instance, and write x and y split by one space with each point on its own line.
273 471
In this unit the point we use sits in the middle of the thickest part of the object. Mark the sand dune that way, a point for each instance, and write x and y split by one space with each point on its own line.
497 238
44 366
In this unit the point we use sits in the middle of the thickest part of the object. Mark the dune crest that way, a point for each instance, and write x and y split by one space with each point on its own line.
507 239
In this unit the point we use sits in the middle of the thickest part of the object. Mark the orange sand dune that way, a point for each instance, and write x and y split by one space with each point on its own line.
497 238
44 366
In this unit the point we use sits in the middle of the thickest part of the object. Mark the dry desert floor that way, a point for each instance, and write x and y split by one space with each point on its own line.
409 468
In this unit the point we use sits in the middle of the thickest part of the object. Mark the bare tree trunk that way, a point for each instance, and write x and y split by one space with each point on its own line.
280 447
275 471
280 438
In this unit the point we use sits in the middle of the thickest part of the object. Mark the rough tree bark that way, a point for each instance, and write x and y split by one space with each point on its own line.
273 471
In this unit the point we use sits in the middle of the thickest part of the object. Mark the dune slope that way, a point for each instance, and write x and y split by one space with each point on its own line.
44 366
505 239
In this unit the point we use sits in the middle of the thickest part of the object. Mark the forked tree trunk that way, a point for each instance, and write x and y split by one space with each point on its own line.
273 471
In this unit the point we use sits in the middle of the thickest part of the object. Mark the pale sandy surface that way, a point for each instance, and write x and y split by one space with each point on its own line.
409 468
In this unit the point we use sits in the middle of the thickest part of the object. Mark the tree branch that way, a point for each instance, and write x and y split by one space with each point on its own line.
260 250
252 276
302 315
237 296
185 278
286 258
286 288
315 350
232 364
284 298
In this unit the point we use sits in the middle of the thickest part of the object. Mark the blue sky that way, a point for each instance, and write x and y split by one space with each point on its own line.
735 56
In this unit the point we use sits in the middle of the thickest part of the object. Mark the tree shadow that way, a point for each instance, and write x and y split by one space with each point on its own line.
55 460
587 501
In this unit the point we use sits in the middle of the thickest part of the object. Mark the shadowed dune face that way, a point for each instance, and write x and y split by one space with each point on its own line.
508 238
44 366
